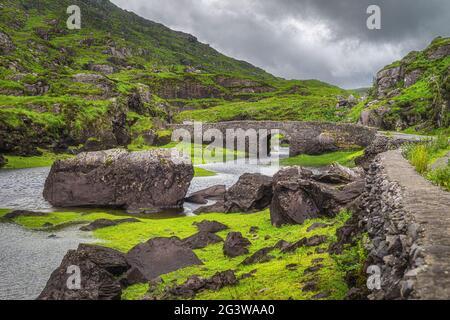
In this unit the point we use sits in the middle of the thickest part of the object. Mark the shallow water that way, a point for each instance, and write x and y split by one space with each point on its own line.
27 258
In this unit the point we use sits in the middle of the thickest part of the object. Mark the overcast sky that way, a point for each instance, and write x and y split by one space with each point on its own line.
305 39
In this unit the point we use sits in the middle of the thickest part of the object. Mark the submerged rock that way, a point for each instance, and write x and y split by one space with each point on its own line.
138 181
212 193
104 223
24 213
98 268
159 256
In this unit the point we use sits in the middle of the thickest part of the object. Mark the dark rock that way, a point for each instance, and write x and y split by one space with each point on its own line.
24 213
253 230
99 267
259 256
317 261
317 225
322 295
313 269
356 294
47 225
116 178
196 284
104 223
292 267
132 277
296 199
101 68
212 193
253 192
440 52
282 245
159 256
235 245
321 144
210 226
219 206
201 240
310 286
248 275
37 89
306 242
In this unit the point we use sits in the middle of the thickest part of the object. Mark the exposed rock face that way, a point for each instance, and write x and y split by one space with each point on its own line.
387 79
37 89
98 265
104 223
160 256
141 181
374 117
253 192
440 52
6 44
297 197
235 245
99 81
212 193
336 174
412 77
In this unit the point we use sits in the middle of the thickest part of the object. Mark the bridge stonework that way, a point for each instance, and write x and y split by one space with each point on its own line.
304 137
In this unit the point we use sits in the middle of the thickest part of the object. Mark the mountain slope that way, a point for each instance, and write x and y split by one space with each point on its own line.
121 78
412 94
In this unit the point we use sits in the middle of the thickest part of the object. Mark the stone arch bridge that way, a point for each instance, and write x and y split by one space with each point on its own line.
304 137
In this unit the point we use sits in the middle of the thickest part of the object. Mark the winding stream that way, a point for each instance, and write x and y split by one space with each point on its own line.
27 258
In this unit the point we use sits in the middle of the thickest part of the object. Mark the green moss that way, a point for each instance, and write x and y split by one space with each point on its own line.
345 158
200 172
46 160
272 280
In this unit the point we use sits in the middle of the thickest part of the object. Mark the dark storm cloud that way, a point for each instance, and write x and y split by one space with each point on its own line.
322 39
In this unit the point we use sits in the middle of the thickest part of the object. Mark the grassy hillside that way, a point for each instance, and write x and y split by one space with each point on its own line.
412 94
121 78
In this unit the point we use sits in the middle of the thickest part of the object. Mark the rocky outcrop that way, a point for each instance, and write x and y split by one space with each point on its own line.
236 245
6 44
387 79
159 256
139 181
298 197
98 268
210 226
105 223
24 213
253 192
98 81
439 52
101 68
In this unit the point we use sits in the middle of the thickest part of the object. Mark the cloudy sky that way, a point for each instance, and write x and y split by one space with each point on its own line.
303 39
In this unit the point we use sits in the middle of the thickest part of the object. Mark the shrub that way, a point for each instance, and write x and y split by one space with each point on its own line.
440 177
419 157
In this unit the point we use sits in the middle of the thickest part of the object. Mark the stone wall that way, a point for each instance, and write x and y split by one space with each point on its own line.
406 218
304 137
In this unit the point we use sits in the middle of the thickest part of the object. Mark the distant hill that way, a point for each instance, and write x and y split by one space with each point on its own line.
412 94
121 78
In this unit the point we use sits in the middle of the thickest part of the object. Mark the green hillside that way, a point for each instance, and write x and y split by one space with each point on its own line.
121 78
412 94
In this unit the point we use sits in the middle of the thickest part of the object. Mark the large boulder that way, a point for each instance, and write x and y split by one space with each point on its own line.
159 256
98 267
139 181
336 174
253 192
298 197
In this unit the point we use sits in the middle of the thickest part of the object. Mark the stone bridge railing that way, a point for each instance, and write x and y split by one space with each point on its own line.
304 137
